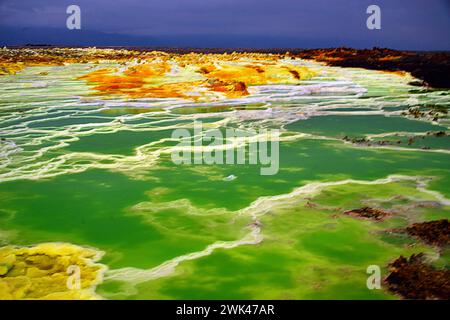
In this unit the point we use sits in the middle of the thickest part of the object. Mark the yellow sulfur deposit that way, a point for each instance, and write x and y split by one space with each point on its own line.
7 68
49 271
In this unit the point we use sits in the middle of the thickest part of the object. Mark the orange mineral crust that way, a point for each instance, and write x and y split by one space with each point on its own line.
198 77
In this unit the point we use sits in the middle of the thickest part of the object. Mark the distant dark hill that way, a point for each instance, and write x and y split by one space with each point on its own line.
11 36
65 37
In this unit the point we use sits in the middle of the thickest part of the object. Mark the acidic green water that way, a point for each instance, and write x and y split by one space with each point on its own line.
96 171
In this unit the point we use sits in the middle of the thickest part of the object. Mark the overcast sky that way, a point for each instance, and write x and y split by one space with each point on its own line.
408 24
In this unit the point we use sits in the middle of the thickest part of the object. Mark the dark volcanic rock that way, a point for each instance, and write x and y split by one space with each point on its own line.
431 67
435 233
414 279
368 213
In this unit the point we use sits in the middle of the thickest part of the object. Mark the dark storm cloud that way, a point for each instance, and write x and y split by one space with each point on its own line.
405 24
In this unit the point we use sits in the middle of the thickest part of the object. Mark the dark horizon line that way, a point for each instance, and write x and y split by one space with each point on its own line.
186 49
